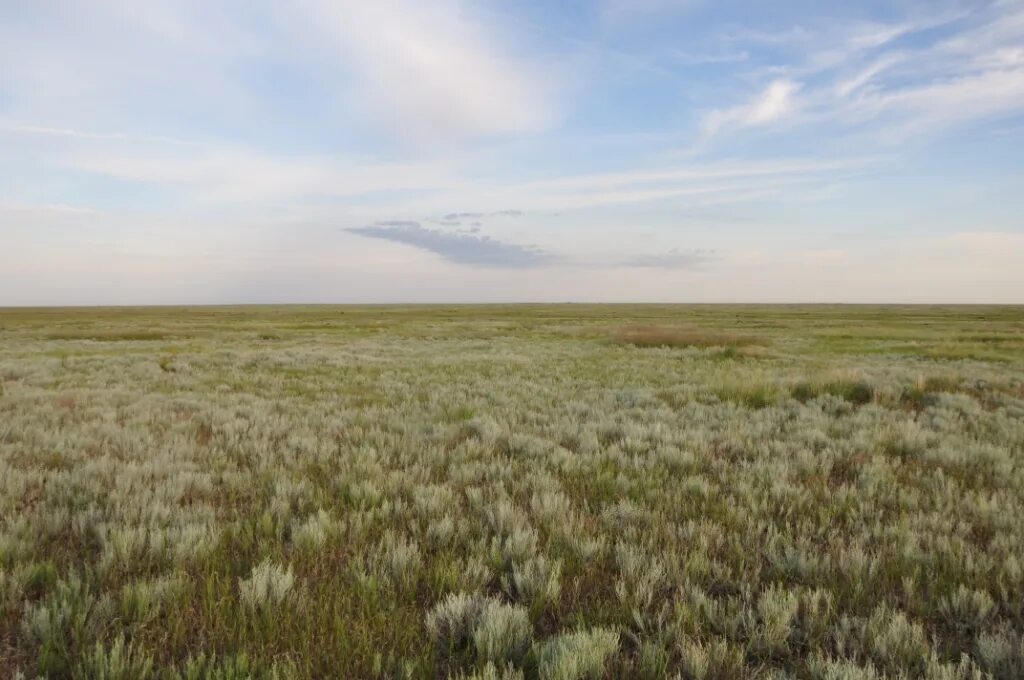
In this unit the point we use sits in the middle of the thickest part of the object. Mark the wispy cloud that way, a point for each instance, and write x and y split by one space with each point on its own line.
702 58
44 209
231 175
774 103
15 128
697 172
848 85
934 105
461 248
456 218
433 70
871 77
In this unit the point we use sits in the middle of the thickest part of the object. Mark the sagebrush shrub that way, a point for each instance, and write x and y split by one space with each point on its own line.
577 655
502 632
268 586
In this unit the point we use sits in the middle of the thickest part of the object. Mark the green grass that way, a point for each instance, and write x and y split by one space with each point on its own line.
675 336
538 491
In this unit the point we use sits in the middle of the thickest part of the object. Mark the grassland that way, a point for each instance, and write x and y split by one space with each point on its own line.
502 492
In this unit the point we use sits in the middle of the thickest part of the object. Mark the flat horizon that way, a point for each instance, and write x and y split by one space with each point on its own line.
216 305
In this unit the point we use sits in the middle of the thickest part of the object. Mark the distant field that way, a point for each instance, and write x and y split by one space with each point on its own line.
552 491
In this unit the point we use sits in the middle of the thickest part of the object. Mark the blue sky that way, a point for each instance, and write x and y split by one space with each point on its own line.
614 150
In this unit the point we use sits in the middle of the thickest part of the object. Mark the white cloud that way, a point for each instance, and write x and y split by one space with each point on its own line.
866 80
976 73
207 176
775 102
429 72
19 129
862 78
837 46
962 98
869 37
432 71
691 185
699 172
77 62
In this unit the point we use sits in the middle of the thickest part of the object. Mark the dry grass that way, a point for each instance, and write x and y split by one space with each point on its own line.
679 336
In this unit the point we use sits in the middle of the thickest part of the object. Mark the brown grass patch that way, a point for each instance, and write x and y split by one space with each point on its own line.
679 336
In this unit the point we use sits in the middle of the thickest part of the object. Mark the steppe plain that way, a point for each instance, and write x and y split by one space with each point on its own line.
521 491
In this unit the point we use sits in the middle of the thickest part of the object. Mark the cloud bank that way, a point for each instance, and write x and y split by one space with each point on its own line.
461 248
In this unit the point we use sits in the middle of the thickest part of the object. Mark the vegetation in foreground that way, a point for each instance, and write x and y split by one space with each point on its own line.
552 492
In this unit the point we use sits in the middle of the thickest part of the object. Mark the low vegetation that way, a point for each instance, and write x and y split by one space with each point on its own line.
677 336
501 492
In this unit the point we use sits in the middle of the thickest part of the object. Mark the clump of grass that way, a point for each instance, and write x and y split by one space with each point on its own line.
679 336
120 661
753 395
857 392
924 393
38 579
916 399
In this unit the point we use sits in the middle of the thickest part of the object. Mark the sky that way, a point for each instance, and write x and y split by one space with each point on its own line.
198 152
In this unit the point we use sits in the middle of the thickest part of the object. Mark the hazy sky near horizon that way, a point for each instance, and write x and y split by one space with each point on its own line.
615 150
